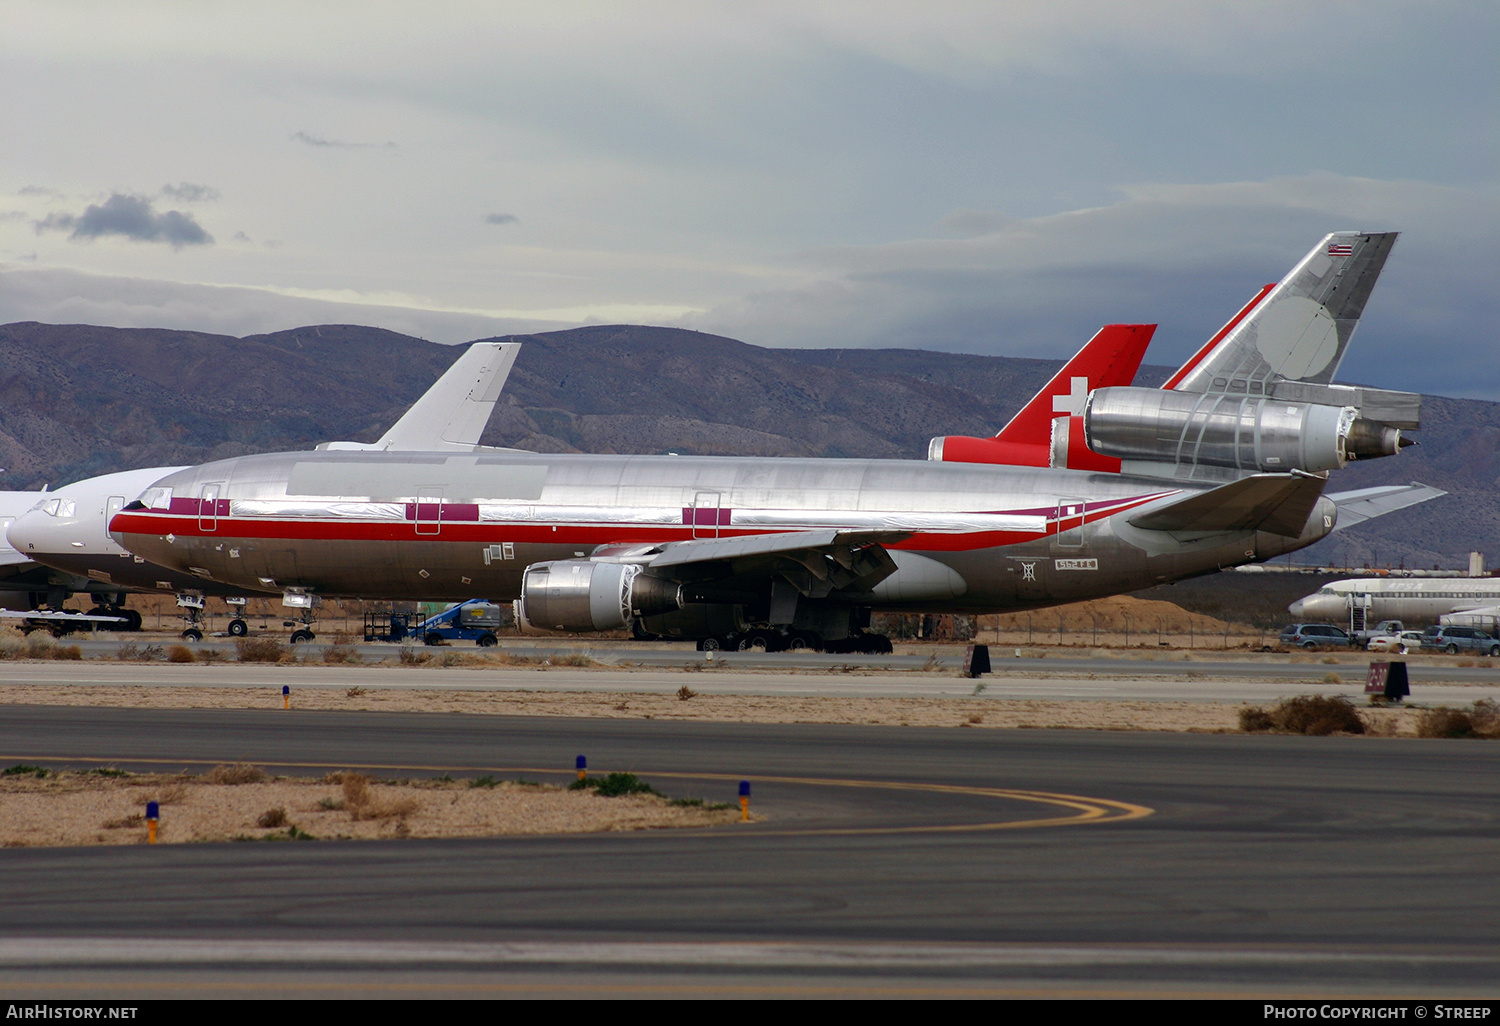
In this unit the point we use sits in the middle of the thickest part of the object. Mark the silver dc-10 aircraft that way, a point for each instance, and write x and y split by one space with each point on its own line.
1225 464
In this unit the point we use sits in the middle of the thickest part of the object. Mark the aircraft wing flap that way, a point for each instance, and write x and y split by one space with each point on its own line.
817 562
1278 503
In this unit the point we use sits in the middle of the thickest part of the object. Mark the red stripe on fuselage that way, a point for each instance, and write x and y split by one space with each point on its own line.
158 525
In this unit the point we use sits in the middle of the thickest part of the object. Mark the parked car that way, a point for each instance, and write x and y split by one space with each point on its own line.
1403 642
1384 627
1460 639
1315 635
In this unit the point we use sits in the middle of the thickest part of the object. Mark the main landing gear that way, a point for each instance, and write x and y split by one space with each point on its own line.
770 640
191 603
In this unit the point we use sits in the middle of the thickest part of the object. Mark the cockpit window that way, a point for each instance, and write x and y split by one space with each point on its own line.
58 507
157 498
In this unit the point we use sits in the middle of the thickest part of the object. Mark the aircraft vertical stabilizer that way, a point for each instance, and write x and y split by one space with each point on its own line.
1049 429
1300 329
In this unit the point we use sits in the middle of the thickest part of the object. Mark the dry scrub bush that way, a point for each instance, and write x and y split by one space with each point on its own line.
1313 715
272 818
259 650
180 654
340 652
411 656
239 773
361 802
1482 722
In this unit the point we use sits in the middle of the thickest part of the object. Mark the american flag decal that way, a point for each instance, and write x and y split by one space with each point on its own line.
1341 249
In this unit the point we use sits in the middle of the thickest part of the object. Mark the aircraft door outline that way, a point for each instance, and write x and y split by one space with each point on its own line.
427 511
706 514
113 505
208 508
1072 514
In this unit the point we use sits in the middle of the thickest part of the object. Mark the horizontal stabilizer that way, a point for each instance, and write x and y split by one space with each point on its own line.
1368 503
1278 503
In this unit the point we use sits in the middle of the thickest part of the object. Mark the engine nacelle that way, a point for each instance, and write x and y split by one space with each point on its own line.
583 595
1240 431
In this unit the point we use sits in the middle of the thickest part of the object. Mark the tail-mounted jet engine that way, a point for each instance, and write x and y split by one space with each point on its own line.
1240 431
584 595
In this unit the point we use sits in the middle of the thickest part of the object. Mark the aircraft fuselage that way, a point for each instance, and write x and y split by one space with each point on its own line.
440 526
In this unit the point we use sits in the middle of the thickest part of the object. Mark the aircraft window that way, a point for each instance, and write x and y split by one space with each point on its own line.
1237 385
157 498
1220 383
52 507
1257 386
67 508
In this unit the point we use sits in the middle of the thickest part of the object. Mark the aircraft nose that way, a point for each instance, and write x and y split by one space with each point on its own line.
35 531
1297 608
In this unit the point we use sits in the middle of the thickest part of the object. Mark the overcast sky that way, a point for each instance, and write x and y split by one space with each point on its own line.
998 178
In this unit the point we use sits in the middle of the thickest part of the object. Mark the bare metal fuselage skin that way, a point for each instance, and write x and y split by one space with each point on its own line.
439 526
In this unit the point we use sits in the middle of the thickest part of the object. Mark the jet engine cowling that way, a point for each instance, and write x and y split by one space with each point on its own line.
1244 432
584 595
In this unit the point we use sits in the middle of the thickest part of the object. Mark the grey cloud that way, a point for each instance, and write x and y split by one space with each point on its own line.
339 144
501 219
132 217
968 223
1183 257
38 190
187 192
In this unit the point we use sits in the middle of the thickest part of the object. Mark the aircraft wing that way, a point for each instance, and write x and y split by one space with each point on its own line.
1278 503
40 614
1368 503
816 562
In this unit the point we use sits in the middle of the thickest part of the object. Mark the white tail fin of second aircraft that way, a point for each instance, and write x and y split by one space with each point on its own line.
452 414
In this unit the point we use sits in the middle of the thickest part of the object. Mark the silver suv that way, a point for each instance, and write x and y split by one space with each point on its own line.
1459 639
1314 635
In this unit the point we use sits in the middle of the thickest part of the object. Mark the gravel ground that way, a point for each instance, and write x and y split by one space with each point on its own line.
1210 717
94 808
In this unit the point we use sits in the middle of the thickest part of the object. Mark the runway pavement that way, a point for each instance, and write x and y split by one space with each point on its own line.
891 862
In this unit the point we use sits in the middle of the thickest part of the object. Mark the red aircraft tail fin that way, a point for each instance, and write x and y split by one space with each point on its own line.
1043 433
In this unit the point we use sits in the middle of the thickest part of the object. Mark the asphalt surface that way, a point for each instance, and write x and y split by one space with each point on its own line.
891 862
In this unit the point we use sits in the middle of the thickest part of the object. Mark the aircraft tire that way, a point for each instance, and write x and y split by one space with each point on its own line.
192 634
299 636
132 619
488 641
238 628
762 641
711 644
